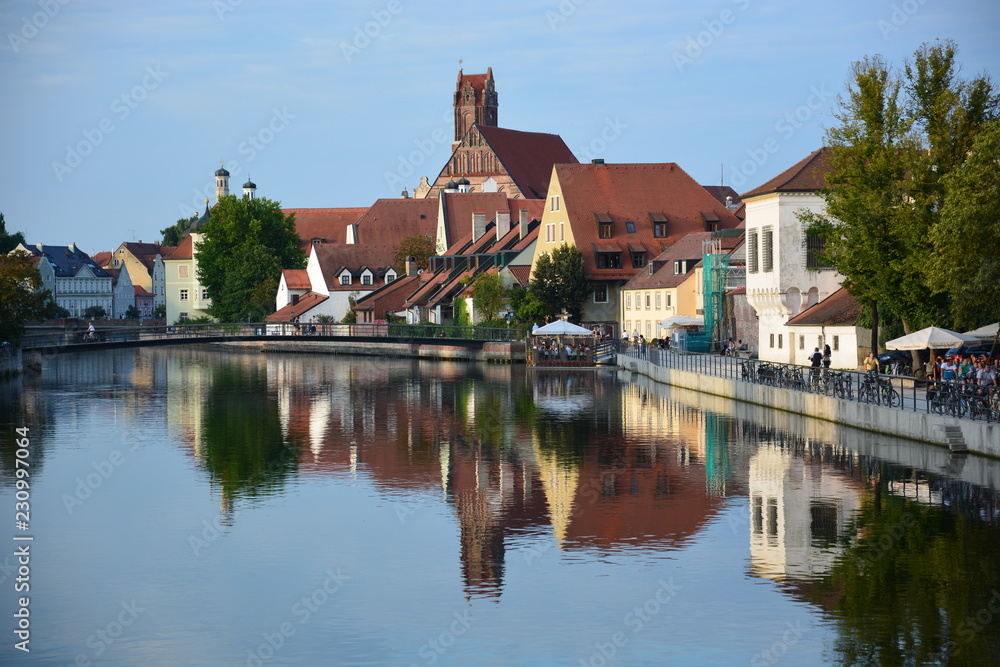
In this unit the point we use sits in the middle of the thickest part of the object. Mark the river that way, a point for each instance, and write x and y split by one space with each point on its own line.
196 506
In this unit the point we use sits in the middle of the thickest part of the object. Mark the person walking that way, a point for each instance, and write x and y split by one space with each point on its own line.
827 356
815 359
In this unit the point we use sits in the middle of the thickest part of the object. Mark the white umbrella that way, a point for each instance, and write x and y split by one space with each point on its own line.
562 328
988 332
932 337
682 321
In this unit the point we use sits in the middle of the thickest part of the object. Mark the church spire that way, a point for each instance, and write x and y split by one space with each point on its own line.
475 102
221 182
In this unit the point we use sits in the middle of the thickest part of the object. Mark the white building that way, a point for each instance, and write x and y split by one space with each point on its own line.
73 278
784 276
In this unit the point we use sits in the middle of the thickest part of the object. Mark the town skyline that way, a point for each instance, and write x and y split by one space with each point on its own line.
121 115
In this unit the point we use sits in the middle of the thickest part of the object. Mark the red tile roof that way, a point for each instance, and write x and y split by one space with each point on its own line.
334 257
142 291
296 279
389 221
102 259
181 250
521 274
840 308
633 192
477 81
528 157
390 298
691 248
806 175
323 223
306 302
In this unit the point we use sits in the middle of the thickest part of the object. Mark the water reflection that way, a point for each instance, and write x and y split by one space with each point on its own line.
897 552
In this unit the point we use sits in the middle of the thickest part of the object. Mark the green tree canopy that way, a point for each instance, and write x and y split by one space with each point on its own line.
8 241
174 234
20 296
900 135
559 281
244 247
420 246
489 295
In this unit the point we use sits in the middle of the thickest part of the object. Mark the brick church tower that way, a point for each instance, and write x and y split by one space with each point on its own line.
475 102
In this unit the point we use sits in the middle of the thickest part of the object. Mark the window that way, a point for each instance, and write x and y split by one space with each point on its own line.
204 294
752 251
600 294
562 231
772 341
680 266
604 230
554 203
814 249
183 315
609 260
767 249
802 342
657 300
836 342
345 278
366 279
628 300
389 277
659 229
630 227
779 341
184 295
182 271
668 299
638 260
647 301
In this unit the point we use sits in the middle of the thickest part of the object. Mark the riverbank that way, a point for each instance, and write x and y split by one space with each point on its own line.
978 437
494 352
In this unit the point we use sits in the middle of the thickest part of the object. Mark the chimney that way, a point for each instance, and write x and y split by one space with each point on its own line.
522 223
503 224
478 226
411 266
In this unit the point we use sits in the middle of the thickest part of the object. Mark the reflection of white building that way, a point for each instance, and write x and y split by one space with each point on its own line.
797 511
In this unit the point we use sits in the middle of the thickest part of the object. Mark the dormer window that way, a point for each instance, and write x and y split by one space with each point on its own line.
345 278
366 279
659 221
603 225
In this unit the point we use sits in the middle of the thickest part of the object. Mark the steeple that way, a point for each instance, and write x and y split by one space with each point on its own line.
249 189
221 182
475 102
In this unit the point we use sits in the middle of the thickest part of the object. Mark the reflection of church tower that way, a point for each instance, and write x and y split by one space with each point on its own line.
221 183
475 102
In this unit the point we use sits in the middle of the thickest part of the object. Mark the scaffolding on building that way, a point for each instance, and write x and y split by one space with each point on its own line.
719 275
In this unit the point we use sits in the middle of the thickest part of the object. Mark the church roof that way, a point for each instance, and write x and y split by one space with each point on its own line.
477 81
528 156
806 175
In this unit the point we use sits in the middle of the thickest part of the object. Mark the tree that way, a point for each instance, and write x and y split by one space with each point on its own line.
965 263
95 312
899 136
8 241
244 246
559 282
174 234
160 312
420 246
489 295
20 296
132 312
525 306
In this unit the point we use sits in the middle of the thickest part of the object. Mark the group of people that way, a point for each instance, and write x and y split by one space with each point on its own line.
733 348
550 349
967 370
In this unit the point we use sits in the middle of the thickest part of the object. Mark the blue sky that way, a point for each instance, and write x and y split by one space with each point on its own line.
116 114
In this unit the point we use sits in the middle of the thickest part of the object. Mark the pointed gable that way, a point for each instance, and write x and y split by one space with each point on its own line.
807 175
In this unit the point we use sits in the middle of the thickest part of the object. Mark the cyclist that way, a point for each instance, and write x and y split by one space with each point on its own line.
871 364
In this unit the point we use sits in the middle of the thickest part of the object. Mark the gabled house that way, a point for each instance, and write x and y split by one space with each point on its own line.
784 272
122 292
184 295
74 279
834 322
144 263
621 216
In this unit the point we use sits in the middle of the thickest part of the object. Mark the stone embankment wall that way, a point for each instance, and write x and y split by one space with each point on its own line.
978 436
493 352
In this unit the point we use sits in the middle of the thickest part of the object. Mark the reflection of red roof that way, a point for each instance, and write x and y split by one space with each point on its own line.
838 309
328 224
305 303
296 279
637 193
807 175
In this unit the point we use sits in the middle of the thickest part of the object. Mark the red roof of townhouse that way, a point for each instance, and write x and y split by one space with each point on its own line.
595 195
389 221
389 298
840 308
691 248
806 175
333 258
296 279
102 259
327 224
182 250
142 291
303 305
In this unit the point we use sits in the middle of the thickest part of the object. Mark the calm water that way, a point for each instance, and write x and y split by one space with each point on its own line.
194 507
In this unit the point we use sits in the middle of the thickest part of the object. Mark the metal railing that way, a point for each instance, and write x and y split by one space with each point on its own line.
264 330
964 400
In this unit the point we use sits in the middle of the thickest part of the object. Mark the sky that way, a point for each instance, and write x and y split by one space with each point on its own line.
117 114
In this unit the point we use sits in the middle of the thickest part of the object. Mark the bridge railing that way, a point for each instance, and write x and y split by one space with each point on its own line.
60 338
